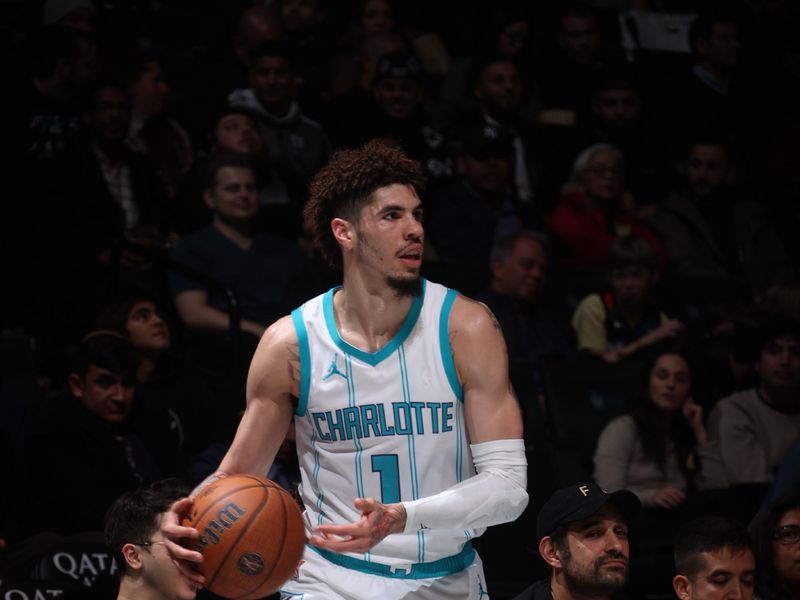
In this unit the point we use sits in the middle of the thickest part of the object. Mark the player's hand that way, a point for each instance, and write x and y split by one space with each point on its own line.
377 521
669 497
177 539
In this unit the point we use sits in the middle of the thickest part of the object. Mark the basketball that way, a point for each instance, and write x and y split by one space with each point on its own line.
251 536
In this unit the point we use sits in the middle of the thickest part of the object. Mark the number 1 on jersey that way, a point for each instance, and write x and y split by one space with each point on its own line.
386 467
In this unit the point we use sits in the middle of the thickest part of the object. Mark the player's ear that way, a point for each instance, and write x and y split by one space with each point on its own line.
344 232
682 587
133 556
550 553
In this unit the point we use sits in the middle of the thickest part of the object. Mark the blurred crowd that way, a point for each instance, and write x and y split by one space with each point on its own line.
618 180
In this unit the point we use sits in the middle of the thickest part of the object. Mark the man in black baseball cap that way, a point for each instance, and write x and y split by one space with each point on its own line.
583 537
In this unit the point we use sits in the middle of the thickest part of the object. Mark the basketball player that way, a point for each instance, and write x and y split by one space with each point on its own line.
408 431
148 571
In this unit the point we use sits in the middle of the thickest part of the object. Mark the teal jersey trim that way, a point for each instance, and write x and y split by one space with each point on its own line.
438 568
372 358
305 360
444 344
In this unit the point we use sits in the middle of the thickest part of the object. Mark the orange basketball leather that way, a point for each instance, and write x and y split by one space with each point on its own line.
251 536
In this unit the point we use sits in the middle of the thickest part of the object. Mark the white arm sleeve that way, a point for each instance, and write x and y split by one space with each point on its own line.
497 494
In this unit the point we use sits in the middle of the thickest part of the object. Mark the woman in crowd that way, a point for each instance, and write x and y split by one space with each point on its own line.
775 531
658 449
594 209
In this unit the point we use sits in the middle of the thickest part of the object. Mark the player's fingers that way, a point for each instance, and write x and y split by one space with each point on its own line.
360 544
183 553
347 530
178 532
189 571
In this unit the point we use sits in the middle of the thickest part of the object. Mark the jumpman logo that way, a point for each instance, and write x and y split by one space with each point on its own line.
333 369
481 591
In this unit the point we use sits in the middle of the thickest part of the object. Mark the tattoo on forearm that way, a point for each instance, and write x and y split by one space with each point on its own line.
382 527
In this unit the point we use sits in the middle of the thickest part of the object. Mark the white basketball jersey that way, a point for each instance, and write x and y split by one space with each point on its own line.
387 424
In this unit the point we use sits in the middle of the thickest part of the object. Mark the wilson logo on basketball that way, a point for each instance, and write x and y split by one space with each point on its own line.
250 564
217 527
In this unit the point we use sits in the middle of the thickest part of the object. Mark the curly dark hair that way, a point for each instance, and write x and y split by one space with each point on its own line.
343 186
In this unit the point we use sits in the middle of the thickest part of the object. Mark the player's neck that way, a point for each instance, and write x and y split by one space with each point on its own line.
368 316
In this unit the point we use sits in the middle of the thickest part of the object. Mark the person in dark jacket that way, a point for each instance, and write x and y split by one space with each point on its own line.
81 453
583 538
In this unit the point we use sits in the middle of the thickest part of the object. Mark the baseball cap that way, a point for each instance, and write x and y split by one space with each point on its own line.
397 65
580 501
481 139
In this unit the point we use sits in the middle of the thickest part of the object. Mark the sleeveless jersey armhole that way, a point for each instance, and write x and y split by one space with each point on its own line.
444 344
305 360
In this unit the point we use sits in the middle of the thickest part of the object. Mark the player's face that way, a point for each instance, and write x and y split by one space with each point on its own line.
779 363
146 328
160 572
598 553
237 133
390 237
670 382
234 198
786 548
725 575
104 393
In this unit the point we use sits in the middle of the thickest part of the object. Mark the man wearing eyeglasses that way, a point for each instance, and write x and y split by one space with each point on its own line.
147 570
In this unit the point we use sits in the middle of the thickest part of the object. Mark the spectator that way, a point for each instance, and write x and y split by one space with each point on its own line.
375 18
624 320
595 208
508 37
566 73
499 89
398 115
583 537
100 192
231 130
481 206
296 145
156 136
618 117
659 450
519 265
754 428
350 100
170 390
257 266
713 559
132 531
710 230
707 98
42 110
79 445
776 540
